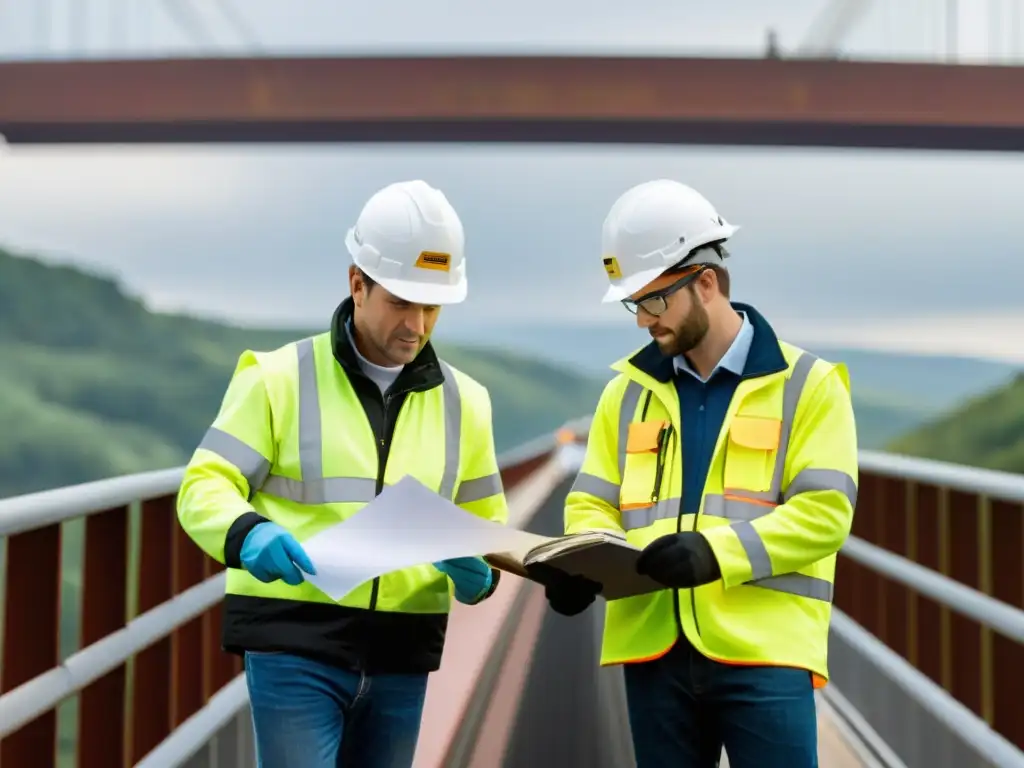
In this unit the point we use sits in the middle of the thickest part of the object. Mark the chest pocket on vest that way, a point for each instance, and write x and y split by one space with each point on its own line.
641 466
750 453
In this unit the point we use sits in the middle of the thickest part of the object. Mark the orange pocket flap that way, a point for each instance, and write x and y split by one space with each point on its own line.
756 432
643 436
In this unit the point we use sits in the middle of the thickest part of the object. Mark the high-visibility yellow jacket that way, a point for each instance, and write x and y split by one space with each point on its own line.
777 505
304 439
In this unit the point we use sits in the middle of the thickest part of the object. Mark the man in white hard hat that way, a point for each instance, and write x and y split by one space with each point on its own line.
306 436
730 458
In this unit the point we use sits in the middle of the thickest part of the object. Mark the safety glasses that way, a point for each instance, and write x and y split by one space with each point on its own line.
656 302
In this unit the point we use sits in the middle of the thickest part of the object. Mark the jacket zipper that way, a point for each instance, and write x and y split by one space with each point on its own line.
693 590
655 497
381 467
679 527
664 454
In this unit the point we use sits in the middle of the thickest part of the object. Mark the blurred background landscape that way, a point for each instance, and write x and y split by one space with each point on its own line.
132 277
98 385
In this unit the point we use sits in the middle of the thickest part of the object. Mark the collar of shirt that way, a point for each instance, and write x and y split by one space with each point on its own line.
372 370
734 359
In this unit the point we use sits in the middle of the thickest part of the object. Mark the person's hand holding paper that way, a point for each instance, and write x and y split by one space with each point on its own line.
270 553
407 524
471 576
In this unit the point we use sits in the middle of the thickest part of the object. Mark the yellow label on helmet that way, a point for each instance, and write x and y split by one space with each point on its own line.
611 266
434 260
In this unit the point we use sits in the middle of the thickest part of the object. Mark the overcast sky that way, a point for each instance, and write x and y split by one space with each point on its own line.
870 248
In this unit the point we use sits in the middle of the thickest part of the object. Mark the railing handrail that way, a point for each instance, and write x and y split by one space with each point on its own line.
995 484
41 508
21 513
44 692
995 748
1002 617
189 737
541 444
37 510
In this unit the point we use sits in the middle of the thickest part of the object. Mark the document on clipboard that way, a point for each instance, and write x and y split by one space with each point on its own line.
602 556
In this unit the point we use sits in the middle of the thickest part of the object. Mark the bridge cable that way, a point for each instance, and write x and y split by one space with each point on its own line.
995 44
42 20
952 30
238 21
832 24
117 24
78 32
1015 31
188 21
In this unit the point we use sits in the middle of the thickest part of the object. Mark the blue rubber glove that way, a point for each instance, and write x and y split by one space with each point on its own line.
471 575
270 553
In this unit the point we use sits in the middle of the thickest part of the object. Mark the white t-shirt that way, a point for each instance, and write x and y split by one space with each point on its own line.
382 376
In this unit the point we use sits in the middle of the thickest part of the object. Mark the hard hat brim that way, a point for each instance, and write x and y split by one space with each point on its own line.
424 293
627 286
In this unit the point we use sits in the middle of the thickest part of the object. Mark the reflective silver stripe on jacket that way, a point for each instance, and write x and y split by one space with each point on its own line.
738 506
314 488
605 489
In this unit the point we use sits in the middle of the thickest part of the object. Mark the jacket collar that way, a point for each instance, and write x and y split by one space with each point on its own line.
764 359
423 373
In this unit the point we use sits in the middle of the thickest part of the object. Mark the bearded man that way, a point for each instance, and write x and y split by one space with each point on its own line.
730 458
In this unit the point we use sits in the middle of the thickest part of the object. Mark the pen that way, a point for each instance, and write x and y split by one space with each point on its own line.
663 435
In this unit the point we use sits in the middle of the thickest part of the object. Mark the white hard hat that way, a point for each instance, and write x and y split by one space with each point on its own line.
654 226
409 239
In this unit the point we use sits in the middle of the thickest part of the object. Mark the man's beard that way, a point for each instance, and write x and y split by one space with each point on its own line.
688 334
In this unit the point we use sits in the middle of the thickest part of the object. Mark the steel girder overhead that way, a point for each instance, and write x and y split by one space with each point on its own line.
515 99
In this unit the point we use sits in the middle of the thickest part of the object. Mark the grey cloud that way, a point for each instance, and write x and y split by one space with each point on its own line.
257 234
824 234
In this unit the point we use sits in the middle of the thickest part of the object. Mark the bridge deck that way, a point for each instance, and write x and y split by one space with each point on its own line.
834 750
520 685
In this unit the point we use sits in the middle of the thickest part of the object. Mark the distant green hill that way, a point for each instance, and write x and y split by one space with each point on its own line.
95 385
880 418
987 431
930 382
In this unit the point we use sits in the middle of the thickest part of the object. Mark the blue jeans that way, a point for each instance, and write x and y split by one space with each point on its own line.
684 707
311 715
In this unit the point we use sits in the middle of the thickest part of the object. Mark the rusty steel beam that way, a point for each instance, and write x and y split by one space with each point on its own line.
515 99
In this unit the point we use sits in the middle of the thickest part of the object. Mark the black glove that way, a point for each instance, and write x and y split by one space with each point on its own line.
567 594
679 560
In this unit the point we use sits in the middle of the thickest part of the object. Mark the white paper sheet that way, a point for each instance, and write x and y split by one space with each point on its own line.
406 525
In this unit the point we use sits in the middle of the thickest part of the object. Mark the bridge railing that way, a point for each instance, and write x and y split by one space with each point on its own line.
929 621
111 622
